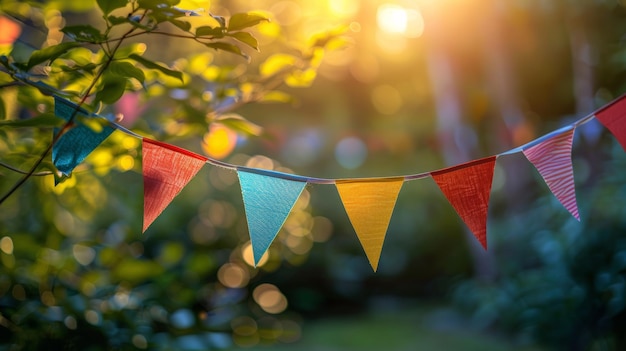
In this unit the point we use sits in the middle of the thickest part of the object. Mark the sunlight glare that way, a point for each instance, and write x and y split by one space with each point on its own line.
343 8
392 19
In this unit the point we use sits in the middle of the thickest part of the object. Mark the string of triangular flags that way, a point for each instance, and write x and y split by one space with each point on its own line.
268 196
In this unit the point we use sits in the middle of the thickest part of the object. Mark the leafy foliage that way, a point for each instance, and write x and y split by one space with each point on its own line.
74 272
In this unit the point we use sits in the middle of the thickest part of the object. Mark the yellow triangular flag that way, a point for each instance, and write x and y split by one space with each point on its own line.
369 204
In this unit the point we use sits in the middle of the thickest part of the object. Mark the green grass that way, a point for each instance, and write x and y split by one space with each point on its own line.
404 330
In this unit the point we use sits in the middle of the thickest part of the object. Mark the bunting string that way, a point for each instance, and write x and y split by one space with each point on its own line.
269 196
408 177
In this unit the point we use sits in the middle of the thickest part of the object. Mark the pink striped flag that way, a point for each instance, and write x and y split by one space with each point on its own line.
553 160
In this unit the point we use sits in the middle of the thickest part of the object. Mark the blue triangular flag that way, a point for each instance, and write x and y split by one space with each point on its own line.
76 143
267 202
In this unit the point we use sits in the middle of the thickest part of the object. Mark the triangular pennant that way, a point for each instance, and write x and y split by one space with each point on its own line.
468 187
613 117
166 171
553 160
267 202
76 143
369 205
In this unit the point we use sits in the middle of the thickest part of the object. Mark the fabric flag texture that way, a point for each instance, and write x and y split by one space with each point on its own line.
553 160
468 187
77 142
369 205
613 117
267 202
166 171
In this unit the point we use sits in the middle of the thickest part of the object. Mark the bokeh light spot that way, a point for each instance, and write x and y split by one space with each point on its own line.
233 276
10 31
260 161
70 322
92 317
48 298
83 254
139 341
182 319
126 163
248 256
219 142
415 24
6 245
244 326
322 229
18 292
269 298
351 152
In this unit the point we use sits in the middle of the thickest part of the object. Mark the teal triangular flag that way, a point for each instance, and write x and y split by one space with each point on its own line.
76 143
267 202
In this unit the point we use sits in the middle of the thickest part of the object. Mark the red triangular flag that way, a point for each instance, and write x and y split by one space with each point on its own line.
166 171
553 160
468 187
613 117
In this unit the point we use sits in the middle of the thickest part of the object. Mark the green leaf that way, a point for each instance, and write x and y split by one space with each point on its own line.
86 68
111 91
168 14
126 69
43 120
50 53
276 96
241 21
81 56
156 4
153 65
277 63
227 47
240 124
221 20
217 32
109 5
84 33
301 79
246 38
49 90
136 23
326 38
126 51
4 60
185 26
115 20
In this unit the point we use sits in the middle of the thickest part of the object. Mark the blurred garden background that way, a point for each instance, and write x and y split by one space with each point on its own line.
336 89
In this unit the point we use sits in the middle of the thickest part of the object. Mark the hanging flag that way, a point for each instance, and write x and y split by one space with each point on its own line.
267 202
468 187
77 142
166 171
613 117
553 160
369 205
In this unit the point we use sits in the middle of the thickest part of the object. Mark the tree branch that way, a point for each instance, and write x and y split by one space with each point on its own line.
68 125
